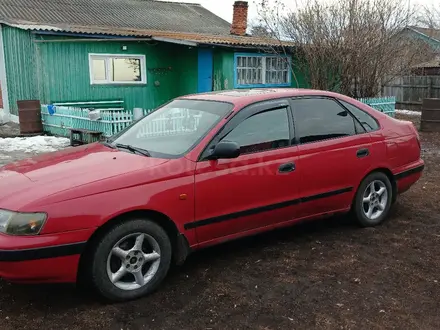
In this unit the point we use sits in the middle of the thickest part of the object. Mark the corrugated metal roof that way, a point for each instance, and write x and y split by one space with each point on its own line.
99 30
132 18
36 27
223 40
165 36
126 14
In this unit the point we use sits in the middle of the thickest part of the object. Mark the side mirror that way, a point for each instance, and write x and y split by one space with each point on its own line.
225 150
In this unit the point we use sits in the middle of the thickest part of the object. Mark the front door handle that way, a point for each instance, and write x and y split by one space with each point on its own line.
361 153
286 168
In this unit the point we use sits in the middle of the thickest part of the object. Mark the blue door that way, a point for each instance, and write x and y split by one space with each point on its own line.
205 70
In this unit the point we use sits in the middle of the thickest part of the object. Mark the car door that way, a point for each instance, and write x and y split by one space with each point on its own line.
255 190
335 154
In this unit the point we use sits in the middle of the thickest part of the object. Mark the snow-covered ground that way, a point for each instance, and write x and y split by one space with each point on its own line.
13 149
35 144
408 112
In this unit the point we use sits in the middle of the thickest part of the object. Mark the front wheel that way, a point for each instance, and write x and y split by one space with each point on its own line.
373 200
130 260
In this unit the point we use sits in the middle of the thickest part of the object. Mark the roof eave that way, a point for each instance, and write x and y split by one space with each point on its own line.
247 46
176 41
422 34
102 33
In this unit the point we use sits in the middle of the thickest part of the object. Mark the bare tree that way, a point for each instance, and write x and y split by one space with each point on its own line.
260 30
349 46
429 17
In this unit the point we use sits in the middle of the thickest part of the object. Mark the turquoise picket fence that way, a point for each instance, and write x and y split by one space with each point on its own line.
62 118
387 105
146 111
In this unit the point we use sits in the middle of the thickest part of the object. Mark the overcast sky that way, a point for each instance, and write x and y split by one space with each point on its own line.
223 8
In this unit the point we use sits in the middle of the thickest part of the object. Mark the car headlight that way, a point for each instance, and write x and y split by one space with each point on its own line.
21 224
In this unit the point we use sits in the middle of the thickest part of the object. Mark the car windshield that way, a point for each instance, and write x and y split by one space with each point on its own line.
174 129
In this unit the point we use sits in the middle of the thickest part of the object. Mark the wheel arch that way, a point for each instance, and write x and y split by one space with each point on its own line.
179 243
390 176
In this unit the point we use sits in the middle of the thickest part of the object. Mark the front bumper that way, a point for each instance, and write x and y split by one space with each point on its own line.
42 258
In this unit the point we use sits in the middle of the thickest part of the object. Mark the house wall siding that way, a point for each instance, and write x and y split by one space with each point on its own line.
63 73
55 69
20 66
59 71
223 69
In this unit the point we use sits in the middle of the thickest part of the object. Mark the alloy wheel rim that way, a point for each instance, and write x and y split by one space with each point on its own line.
375 199
133 261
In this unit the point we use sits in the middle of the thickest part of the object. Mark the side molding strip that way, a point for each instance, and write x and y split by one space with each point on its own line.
266 208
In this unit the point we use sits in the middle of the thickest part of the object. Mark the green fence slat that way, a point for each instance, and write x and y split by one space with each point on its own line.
111 121
387 105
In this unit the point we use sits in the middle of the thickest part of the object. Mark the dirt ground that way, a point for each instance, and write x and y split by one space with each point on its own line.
327 274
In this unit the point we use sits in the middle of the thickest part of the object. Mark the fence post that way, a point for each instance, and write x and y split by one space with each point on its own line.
429 87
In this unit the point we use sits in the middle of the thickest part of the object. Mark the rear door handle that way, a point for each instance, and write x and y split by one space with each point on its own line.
286 168
361 153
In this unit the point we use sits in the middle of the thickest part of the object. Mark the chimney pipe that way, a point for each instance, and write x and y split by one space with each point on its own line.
239 21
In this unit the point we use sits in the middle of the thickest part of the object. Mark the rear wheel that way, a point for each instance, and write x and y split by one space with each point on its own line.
373 200
130 260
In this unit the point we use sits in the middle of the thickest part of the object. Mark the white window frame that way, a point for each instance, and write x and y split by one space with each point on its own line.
264 57
106 57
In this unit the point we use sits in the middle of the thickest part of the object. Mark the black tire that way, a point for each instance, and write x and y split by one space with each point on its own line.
358 205
101 250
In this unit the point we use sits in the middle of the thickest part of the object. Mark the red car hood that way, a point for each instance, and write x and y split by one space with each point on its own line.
31 179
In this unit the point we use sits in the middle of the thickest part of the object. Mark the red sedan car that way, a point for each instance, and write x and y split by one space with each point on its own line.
200 170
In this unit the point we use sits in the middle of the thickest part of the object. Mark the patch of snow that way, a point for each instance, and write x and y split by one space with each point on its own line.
2 116
13 118
35 144
408 112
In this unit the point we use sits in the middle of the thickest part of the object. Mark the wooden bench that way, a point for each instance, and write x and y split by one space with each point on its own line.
92 136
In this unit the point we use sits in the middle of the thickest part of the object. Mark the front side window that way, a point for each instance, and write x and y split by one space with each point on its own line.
263 131
175 128
369 123
117 69
262 70
318 119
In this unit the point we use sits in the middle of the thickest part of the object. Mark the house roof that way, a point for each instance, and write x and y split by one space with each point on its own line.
166 36
428 32
160 20
129 14
220 39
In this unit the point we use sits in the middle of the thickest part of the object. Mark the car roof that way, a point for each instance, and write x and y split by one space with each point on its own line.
243 97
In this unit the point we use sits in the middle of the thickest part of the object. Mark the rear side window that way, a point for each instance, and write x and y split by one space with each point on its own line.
369 123
318 119
262 131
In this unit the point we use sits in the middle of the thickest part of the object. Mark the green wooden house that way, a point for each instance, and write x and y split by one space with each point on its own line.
138 52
